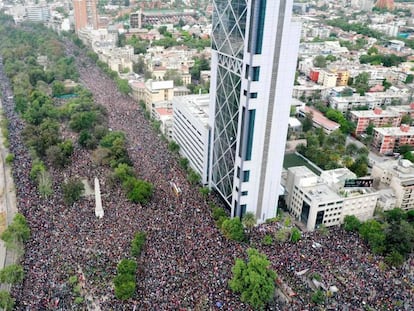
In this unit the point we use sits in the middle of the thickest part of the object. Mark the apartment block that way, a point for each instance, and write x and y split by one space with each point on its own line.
376 117
387 140
399 176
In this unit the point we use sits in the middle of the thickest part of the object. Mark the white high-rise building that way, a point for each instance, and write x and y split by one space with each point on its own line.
254 52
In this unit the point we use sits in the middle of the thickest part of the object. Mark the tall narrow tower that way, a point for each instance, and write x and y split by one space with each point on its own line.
86 14
255 46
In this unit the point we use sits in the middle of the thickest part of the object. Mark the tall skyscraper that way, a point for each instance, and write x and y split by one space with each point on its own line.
86 14
385 4
255 46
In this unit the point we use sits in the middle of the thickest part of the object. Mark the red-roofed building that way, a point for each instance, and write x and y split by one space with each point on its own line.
377 88
319 120
165 116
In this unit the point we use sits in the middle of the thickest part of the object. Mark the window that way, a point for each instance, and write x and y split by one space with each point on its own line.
238 172
245 193
250 132
242 133
256 73
246 74
260 28
253 95
243 208
244 92
246 176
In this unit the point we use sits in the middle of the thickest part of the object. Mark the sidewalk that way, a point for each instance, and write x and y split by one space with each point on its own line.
7 202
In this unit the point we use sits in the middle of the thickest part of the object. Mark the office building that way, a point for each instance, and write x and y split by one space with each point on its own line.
254 53
191 130
38 13
324 200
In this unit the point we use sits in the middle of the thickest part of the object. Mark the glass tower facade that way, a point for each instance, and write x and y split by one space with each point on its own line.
229 23
254 50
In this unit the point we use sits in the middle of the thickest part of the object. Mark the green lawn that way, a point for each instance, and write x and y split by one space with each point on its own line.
292 159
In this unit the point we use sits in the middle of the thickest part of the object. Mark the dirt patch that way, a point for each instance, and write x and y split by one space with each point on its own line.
88 189
3 223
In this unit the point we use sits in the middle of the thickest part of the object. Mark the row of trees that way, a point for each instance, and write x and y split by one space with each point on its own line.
112 151
14 237
392 235
387 60
356 27
233 228
125 280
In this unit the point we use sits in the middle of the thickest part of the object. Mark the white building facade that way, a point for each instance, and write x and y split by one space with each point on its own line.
323 200
191 131
254 52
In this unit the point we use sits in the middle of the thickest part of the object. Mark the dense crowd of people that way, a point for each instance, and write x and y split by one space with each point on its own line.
186 262
345 268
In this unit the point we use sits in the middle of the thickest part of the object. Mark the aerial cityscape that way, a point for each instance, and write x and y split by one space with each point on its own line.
207 155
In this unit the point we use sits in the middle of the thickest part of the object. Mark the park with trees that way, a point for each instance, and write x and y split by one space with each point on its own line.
331 151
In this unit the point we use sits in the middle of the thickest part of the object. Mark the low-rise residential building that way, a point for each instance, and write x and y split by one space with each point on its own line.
387 140
38 13
342 77
397 175
369 101
327 78
152 92
164 115
309 90
315 201
403 110
376 117
191 131
119 59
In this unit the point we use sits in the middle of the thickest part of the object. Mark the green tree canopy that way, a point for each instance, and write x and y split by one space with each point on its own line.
233 229
138 243
249 221
295 235
351 223
319 61
372 232
127 266
6 301
138 191
12 274
253 279
72 191
16 232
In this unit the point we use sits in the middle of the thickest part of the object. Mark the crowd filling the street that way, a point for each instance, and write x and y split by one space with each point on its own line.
186 262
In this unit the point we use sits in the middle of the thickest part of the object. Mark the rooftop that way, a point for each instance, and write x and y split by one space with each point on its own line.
375 113
164 111
196 105
320 119
394 131
160 85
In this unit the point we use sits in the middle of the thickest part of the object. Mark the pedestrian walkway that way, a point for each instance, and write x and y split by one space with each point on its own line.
8 206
